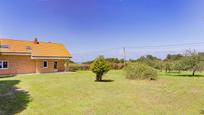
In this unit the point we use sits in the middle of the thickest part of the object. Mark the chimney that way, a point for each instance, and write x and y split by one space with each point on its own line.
36 41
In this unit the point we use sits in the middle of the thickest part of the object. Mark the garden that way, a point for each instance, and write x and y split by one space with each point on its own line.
139 88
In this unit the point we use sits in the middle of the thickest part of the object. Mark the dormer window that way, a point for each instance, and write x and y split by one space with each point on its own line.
4 46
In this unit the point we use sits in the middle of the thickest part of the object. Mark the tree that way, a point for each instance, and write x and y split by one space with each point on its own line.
201 54
36 39
71 62
110 60
174 57
167 65
193 61
177 65
100 67
173 62
151 61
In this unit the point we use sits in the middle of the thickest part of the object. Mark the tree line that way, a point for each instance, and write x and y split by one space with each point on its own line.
188 61
110 60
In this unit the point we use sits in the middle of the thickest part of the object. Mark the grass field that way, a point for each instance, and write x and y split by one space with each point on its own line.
77 93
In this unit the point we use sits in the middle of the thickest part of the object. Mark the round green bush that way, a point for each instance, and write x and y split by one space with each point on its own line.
140 71
100 66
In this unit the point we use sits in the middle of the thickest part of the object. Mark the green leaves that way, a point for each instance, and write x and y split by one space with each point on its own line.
192 61
100 66
140 71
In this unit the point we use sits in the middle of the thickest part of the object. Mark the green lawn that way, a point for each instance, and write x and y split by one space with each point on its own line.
78 93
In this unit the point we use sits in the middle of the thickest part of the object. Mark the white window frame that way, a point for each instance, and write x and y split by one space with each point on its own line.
2 62
44 62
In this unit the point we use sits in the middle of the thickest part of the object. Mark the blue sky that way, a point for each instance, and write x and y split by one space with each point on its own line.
87 27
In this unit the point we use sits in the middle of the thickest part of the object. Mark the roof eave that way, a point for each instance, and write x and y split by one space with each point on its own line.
50 57
15 53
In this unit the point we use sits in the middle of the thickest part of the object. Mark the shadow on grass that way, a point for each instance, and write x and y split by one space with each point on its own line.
175 72
184 75
202 111
12 99
107 80
6 76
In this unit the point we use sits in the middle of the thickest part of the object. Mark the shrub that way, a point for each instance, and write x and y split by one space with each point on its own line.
78 67
100 67
117 66
140 71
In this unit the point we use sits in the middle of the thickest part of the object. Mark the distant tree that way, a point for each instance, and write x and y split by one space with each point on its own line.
159 65
151 61
132 60
167 65
110 60
36 39
201 54
173 57
113 60
173 62
147 57
100 67
178 65
88 62
72 62
193 61
151 57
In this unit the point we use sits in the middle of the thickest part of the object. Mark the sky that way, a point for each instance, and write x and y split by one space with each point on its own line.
89 28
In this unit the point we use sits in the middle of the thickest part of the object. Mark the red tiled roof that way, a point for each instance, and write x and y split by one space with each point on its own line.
43 49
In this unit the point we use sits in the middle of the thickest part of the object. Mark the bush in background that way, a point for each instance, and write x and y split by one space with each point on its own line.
78 67
140 71
117 66
83 67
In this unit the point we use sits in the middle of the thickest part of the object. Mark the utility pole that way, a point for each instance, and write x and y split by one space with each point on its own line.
124 54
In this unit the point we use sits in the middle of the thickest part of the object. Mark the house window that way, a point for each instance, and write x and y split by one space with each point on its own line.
45 64
3 65
4 46
55 65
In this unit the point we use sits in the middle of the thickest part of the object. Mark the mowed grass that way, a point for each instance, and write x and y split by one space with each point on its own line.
78 94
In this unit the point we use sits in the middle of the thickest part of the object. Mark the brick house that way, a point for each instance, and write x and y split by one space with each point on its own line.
20 57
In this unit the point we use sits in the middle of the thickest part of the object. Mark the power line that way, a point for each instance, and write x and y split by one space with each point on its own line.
138 47
169 45
96 51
